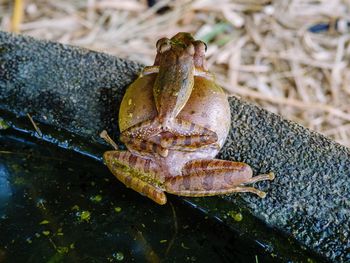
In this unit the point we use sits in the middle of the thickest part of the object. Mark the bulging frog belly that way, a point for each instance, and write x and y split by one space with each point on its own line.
176 160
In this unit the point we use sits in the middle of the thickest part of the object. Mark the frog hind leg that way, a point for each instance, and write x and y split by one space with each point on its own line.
137 173
144 147
214 177
138 138
188 134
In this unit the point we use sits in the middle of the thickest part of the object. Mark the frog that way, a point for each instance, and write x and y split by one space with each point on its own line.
173 120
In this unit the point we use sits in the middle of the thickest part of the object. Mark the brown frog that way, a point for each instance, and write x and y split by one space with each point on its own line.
173 120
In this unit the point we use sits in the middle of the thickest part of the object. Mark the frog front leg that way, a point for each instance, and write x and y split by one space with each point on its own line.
184 133
214 177
138 173
188 135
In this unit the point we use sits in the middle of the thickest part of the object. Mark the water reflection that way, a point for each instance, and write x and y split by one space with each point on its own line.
62 207
5 189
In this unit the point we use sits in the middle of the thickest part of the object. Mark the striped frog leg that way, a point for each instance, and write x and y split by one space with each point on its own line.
214 177
144 147
182 134
143 130
137 137
137 173
188 134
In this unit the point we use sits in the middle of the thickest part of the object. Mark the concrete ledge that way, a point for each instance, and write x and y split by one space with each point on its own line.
79 91
310 197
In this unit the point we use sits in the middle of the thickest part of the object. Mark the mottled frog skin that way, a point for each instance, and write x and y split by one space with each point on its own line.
173 120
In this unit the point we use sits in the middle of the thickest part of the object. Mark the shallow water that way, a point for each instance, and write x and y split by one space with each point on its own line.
59 206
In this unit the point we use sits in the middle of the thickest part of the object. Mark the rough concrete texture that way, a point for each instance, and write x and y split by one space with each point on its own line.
70 88
310 197
80 91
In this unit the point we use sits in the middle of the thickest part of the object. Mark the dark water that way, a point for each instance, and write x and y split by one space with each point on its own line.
58 206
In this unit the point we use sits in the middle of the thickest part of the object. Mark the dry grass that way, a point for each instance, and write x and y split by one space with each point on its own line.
262 51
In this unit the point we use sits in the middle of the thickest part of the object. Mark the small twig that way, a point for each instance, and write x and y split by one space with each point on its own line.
38 131
104 135
7 152
17 16
176 227
53 244
149 253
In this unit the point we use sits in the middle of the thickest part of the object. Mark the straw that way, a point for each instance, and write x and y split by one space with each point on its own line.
290 57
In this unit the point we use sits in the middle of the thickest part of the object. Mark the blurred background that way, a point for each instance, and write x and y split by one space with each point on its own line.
290 57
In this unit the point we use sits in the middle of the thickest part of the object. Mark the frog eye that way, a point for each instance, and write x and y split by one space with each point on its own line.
163 45
201 46
190 50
